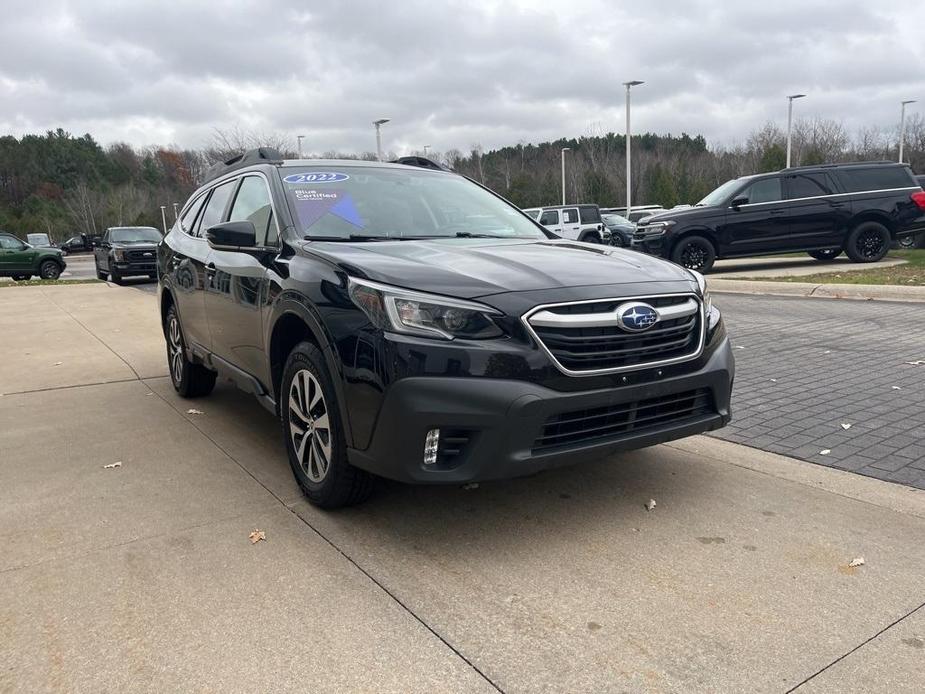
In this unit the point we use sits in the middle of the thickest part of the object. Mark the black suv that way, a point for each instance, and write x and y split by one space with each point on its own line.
856 208
408 322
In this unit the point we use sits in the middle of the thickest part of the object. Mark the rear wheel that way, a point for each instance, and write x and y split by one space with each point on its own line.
591 237
868 242
694 253
49 270
189 379
825 254
617 241
314 434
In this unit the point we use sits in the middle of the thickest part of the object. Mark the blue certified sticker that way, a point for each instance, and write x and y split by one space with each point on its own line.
316 177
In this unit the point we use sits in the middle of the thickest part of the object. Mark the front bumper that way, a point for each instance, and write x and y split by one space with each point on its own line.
501 421
136 267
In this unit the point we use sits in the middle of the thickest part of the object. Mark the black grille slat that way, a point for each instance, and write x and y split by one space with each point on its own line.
610 422
609 347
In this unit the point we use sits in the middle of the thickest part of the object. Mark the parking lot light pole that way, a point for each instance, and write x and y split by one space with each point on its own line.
164 218
426 147
902 128
299 140
629 85
176 210
790 122
379 123
564 150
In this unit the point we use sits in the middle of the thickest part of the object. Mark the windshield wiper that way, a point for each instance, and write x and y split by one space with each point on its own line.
352 237
470 235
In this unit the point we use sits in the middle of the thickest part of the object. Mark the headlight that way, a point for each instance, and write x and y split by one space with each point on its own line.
414 313
707 299
656 228
118 254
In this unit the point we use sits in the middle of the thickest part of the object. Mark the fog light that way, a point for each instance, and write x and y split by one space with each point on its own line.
431 444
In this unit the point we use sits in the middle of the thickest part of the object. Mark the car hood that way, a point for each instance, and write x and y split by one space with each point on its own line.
682 214
470 268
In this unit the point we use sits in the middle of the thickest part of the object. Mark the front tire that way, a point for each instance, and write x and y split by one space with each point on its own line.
694 253
116 277
190 380
49 270
100 275
314 434
868 242
825 254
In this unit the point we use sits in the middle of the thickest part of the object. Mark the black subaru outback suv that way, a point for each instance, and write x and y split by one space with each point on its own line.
823 210
407 322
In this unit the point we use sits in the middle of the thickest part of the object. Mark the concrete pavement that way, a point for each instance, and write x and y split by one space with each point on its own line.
142 577
791 266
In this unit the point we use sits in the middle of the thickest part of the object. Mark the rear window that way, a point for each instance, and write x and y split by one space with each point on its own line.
809 185
876 178
337 203
590 215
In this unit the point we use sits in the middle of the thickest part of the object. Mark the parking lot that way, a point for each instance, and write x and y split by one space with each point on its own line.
142 576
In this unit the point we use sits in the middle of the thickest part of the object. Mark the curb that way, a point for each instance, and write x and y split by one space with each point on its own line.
861 292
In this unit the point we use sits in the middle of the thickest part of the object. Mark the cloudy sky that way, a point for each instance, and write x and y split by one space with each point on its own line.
450 73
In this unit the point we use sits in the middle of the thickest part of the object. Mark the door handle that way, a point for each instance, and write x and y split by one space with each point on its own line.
836 204
775 213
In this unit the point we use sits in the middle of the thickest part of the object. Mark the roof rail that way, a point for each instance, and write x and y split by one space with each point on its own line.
421 163
843 163
261 155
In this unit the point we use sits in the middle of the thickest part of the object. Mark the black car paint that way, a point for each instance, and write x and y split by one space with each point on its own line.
236 307
787 225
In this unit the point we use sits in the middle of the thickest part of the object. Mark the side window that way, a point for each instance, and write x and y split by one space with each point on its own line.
589 215
252 203
876 178
105 238
215 208
189 217
550 218
765 190
570 216
809 185
8 243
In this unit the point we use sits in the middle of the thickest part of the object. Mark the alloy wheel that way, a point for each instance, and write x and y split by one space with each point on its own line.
693 257
175 344
309 425
870 244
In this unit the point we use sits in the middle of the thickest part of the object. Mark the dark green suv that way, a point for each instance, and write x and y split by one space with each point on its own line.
21 261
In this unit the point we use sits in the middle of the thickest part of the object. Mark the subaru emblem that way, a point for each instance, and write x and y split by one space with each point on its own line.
636 317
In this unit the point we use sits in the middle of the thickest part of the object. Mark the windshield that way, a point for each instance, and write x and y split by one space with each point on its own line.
372 203
720 194
135 235
615 219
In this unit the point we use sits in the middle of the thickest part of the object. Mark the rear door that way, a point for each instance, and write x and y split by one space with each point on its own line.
760 225
819 216
191 254
237 282
571 223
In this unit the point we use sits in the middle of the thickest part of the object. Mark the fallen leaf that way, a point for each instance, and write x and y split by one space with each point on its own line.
650 505
920 362
738 347
193 410
846 425
896 387
471 485
257 536
149 393
118 463
857 561
58 363
773 380
825 451
828 351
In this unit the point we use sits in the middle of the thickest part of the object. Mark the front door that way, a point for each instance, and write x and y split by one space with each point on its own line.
14 255
236 287
818 216
760 224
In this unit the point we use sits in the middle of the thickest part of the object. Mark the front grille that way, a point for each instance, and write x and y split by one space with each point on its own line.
137 256
605 346
600 424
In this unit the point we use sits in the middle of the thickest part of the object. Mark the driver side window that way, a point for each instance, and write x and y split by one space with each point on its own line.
766 190
8 243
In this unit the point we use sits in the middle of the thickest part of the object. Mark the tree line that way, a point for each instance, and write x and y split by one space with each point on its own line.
63 184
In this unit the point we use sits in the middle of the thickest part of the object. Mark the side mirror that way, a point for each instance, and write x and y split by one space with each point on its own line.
738 202
232 236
